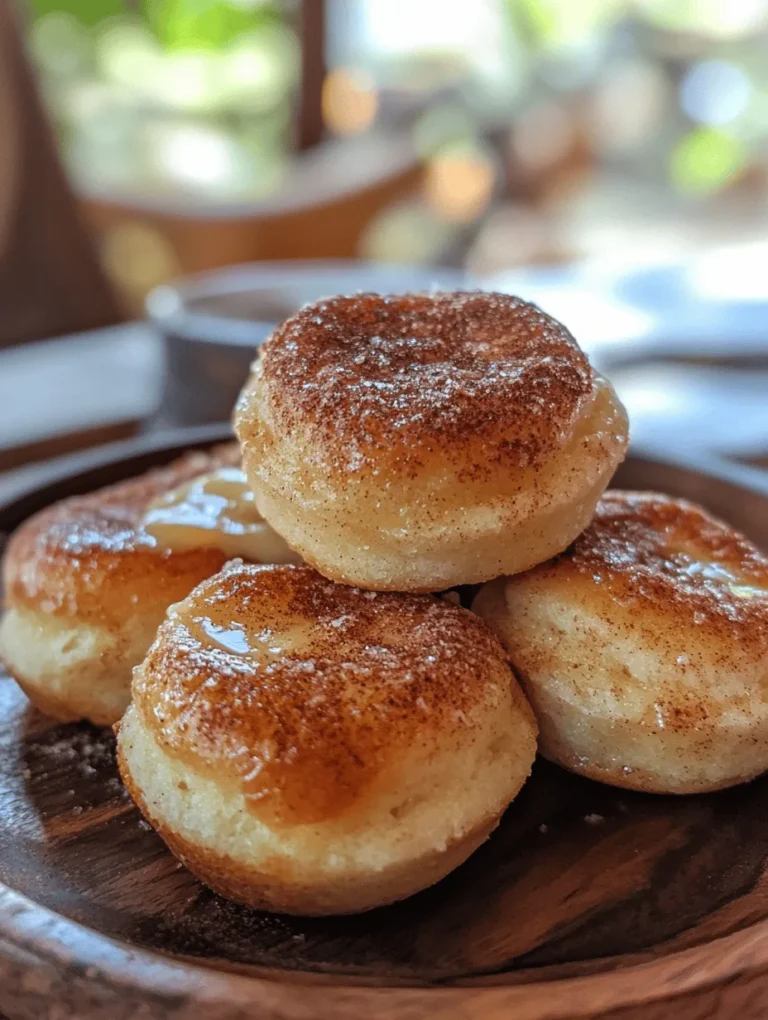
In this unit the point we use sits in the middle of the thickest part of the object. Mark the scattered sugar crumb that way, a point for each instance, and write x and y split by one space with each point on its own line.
594 819
543 829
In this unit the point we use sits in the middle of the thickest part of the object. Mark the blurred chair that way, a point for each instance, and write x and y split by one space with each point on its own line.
331 193
50 278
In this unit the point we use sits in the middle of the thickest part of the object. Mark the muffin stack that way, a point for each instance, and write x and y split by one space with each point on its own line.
328 736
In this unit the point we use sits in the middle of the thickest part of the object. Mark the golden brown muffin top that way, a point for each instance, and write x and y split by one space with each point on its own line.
306 692
84 555
676 596
685 586
418 370
675 553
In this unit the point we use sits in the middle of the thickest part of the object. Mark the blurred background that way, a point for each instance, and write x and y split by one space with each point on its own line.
495 134
609 157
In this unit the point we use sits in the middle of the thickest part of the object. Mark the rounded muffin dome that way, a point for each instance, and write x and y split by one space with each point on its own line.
86 588
644 647
313 748
415 442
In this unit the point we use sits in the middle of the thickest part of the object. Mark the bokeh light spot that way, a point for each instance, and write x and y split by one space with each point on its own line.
714 92
459 183
706 160
349 101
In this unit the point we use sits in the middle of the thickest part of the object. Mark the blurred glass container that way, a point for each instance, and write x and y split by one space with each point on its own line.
212 323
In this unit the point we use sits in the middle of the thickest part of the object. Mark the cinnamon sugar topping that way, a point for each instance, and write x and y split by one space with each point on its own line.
300 688
674 553
59 559
368 371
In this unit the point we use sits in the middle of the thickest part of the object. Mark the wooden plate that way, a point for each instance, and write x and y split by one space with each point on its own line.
587 901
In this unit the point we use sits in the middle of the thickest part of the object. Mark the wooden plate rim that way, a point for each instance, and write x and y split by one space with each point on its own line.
53 941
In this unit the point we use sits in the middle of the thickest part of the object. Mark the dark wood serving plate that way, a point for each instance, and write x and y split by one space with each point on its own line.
587 901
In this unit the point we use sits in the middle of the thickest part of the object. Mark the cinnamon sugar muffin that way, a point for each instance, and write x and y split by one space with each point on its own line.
644 648
419 442
87 585
311 748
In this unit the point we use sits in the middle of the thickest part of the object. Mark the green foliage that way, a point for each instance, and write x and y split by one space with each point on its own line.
705 160
563 23
192 24
87 12
177 24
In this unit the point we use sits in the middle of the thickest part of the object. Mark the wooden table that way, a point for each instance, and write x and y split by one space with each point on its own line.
61 396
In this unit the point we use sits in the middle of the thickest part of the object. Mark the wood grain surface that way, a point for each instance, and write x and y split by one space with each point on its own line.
587 901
